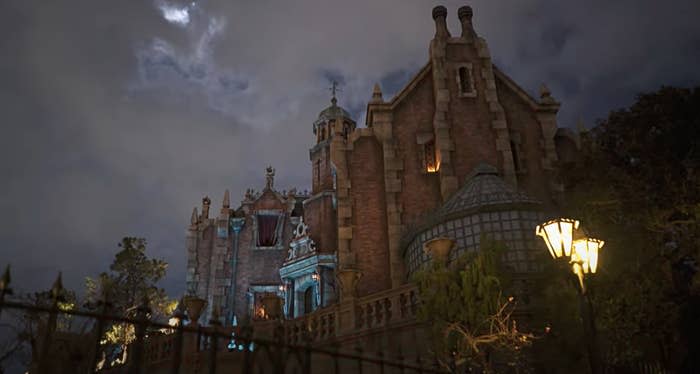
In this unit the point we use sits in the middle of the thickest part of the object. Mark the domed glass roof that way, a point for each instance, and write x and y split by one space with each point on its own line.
483 188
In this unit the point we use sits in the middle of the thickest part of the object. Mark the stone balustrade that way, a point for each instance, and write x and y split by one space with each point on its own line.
386 308
379 310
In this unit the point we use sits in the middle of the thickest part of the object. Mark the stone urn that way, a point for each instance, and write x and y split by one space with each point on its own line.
194 306
438 248
348 279
272 305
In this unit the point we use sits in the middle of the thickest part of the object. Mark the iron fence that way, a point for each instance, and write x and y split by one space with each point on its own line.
164 348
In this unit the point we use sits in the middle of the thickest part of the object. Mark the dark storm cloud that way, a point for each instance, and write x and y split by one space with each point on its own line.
117 117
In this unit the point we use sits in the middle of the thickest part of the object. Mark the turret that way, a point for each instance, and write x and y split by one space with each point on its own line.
332 121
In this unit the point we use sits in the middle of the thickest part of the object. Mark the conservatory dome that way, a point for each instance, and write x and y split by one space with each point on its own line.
485 205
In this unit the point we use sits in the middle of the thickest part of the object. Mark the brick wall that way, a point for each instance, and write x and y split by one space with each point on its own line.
469 117
420 192
322 220
369 242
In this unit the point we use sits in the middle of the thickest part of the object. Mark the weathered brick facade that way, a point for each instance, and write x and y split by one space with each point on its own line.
373 186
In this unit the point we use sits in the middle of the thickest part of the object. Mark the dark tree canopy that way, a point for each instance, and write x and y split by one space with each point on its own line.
637 186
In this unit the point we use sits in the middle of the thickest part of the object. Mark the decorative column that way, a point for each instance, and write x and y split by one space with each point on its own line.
348 279
236 226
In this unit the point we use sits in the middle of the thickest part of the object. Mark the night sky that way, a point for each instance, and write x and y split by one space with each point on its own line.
119 116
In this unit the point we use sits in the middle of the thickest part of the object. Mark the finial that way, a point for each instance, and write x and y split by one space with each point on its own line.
205 207
270 178
334 88
193 219
465 15
546 95
377 94
227 199
440 16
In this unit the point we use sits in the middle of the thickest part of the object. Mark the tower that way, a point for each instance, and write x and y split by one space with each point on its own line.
334 122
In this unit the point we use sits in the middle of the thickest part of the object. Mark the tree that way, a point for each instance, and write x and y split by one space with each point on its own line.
130 283
637 186
469 319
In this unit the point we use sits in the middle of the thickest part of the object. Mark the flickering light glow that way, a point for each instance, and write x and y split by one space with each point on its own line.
558 234
586 252
433 168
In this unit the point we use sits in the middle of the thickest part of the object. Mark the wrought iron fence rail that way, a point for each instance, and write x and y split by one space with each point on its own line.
212 335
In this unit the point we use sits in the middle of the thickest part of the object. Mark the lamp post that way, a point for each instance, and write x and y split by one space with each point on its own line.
581 254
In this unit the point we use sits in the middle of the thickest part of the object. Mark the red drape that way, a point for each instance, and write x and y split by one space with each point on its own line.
267 225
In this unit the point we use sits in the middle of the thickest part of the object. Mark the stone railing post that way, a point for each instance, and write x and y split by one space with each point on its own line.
348 279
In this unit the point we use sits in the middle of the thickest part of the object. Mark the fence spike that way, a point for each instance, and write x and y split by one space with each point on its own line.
5 286
5 280
57 286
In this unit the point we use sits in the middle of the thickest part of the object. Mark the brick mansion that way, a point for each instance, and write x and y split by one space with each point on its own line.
460 151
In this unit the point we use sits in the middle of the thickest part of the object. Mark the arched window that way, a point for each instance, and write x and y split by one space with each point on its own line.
309 300
323 133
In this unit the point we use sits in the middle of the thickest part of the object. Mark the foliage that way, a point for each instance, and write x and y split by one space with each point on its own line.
637 186
130 284
463 304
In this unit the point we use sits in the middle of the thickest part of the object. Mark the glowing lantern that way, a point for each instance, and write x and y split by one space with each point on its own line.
558 234
586 251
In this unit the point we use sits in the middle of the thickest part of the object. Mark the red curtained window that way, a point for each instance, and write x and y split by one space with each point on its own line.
267 230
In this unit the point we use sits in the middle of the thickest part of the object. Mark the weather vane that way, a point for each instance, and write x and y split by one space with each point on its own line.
334 89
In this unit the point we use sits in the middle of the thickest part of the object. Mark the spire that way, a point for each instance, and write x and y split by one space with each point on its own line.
376 95
227 199
580 126
194 218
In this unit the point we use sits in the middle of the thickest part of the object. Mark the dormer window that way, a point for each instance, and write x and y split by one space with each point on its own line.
465 80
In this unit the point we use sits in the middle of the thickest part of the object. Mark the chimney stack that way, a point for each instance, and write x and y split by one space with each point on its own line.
440 17
465 15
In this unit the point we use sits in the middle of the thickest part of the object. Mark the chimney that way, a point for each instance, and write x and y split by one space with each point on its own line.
465 15
440 17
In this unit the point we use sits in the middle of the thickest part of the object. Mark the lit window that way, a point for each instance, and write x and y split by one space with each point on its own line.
431 164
